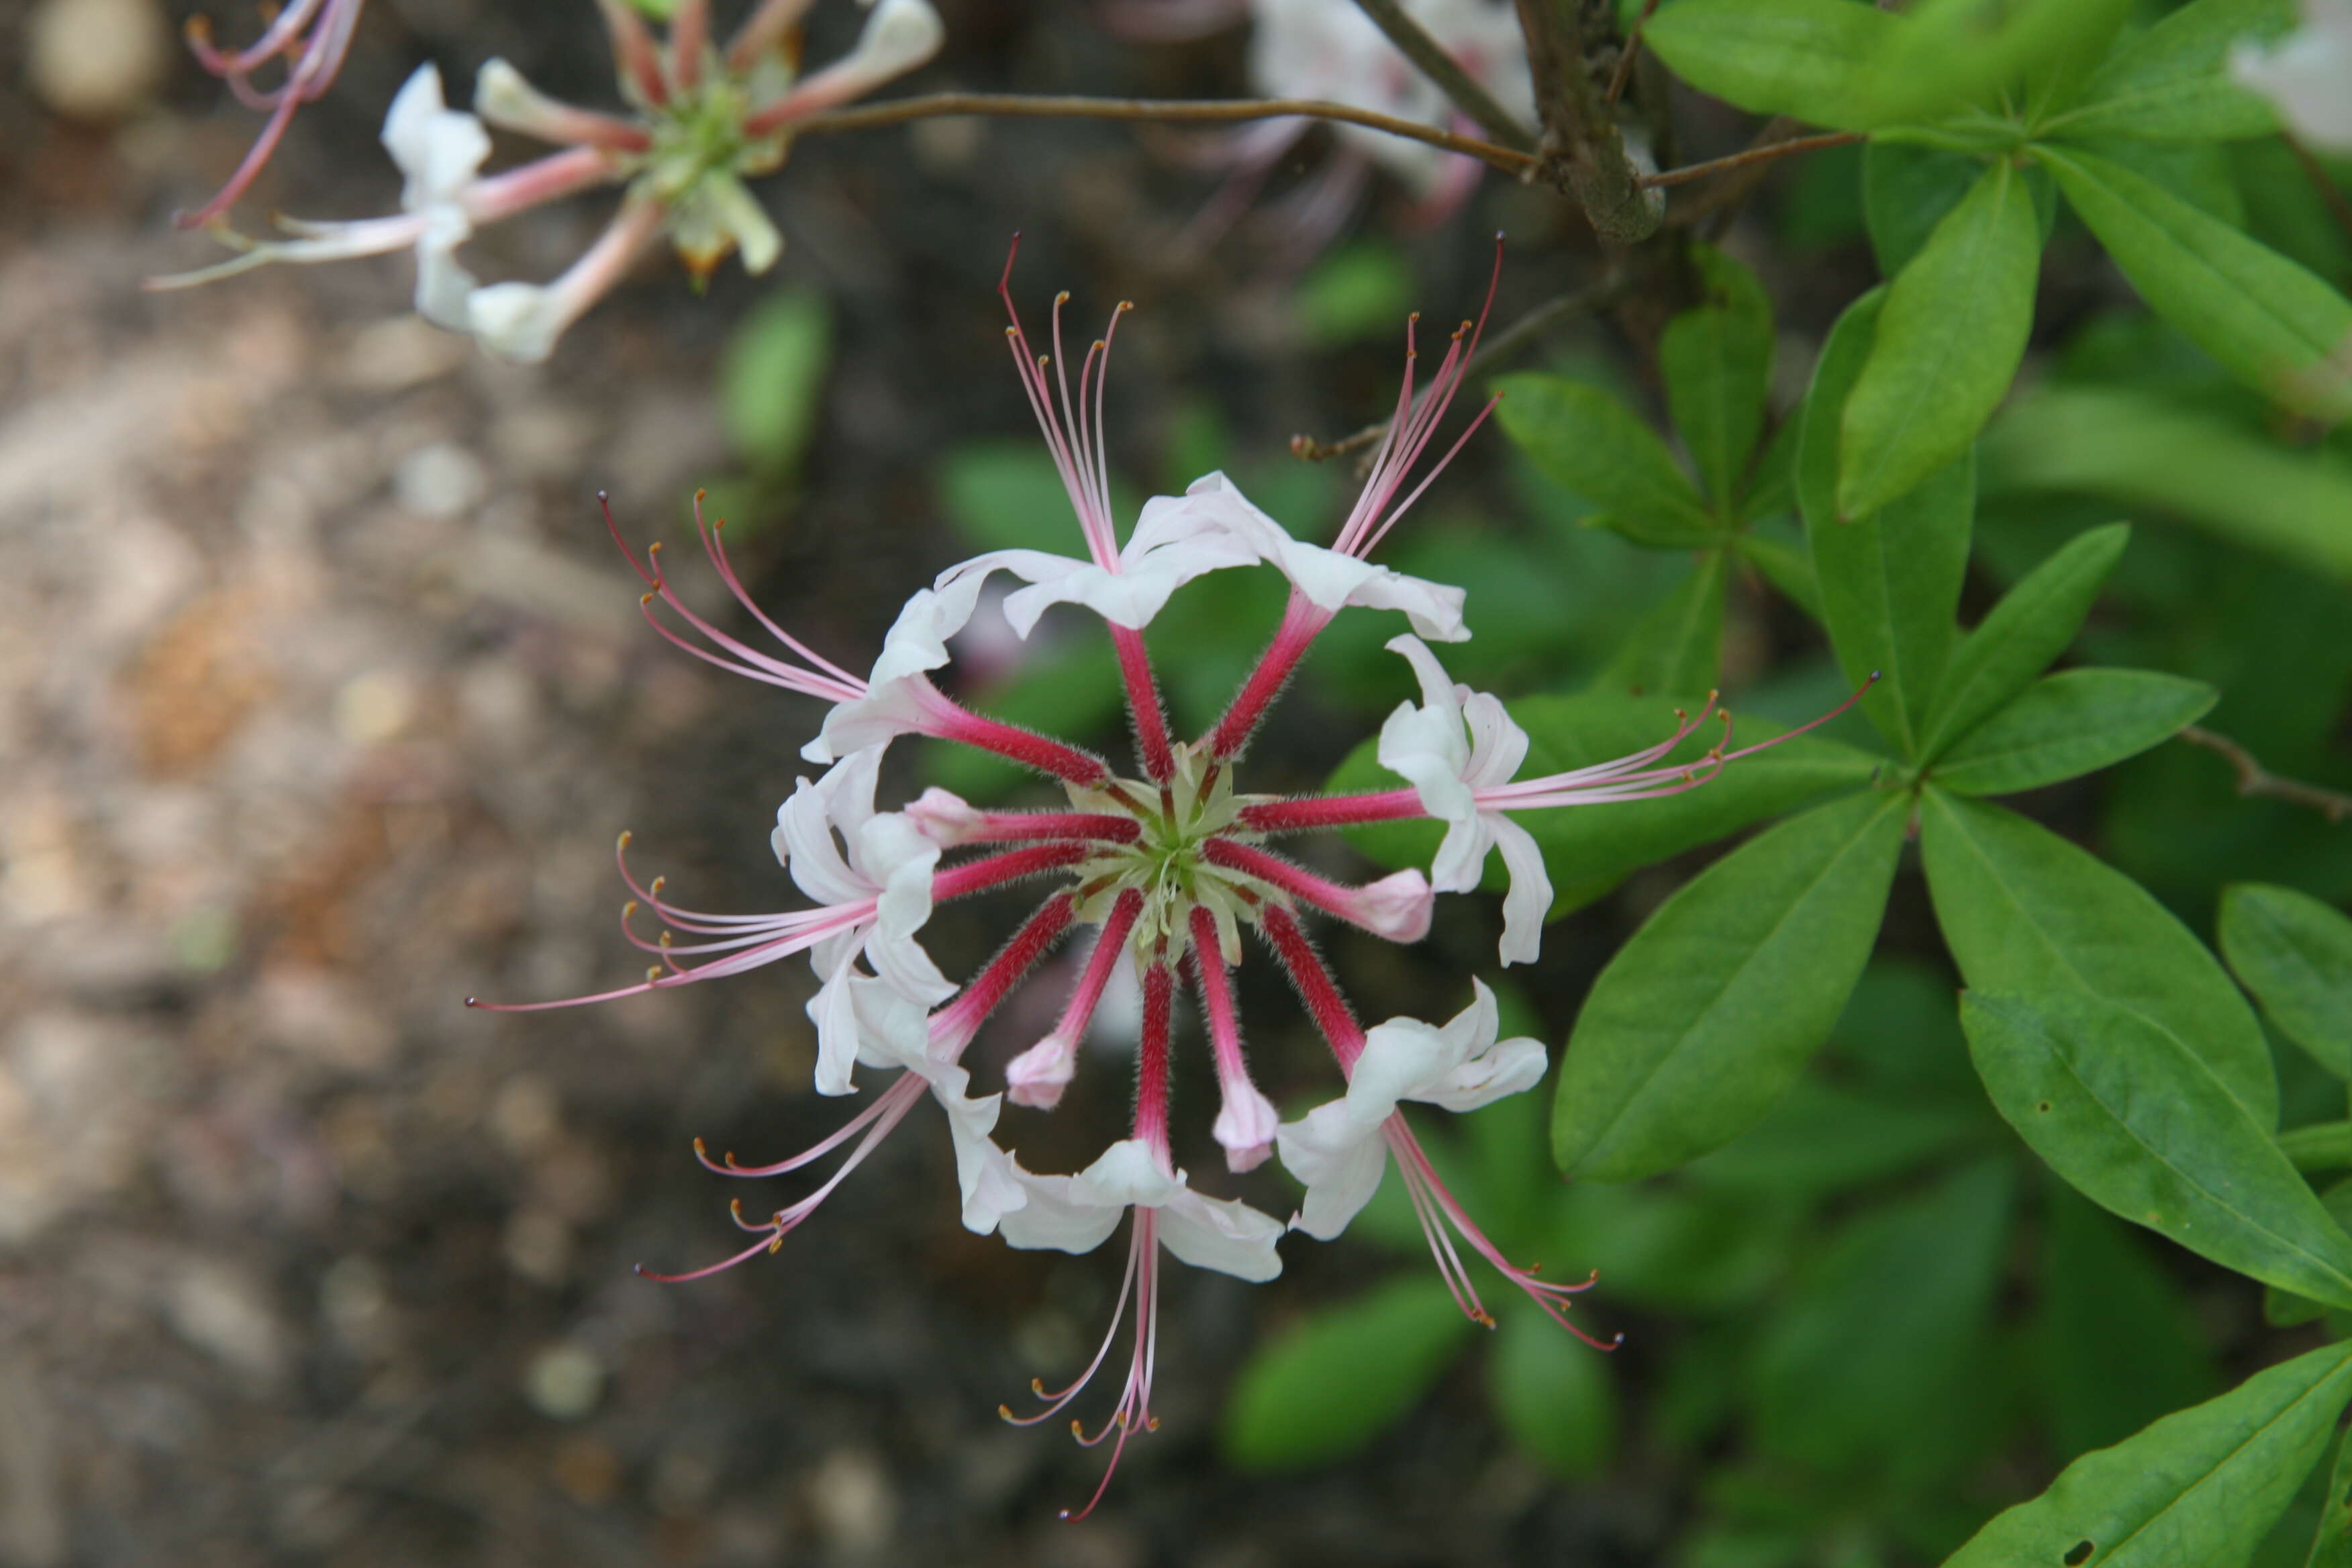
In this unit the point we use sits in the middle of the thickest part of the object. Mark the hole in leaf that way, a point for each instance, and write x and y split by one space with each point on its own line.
2079 1554
2044 1108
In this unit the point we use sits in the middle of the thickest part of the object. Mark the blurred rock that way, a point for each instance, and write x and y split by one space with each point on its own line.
97 59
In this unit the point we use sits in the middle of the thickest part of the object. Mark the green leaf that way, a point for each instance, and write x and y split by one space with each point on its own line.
1823 1138
1590 442
2171 83
1555 1394
2199 1486
2295 954
2285 1309
1717 365
1884 1329
1589 848
2017 639
1810 59
2331 1546
2074 722
2135 1122
1957 52
1786 566
1330 1386
1678 647
2270 321
1889 582
772 377
1950 338
1906 189
1710 1011
2022 909
2120 1343
2140 451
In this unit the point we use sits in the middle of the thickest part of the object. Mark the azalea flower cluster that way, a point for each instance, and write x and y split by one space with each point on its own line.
1172 869
703 118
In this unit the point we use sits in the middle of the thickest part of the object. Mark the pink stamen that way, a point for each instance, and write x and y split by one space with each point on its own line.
1442 1217
309 76
878 1121
816 676
635 58
1134 1408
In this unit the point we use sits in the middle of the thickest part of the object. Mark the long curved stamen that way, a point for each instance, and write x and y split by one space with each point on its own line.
818 676
1442 1217
889 1111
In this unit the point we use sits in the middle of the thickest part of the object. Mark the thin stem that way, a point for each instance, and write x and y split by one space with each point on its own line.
1472 100
1626 56
1028 106
1752 155
2253 779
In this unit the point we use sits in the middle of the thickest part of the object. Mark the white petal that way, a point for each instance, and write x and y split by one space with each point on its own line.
906 856
1497 744
833 1011
1341 1162
804 825
520 320
1061 1214
1401 1058
988 1178
1223 1234
1527 903
1506 1068
887 711
438 148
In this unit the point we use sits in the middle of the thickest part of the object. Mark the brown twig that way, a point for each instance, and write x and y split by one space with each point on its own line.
1443 68
1764 153
2253 779
899 110
1499 347
1625 58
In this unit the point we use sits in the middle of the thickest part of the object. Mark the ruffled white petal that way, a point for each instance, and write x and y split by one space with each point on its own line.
1223 1234
1527 901
1341 1165
833 1011
1337 1148
1328 579
439 149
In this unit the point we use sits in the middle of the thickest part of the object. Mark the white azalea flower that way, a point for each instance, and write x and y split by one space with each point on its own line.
1340 1150
1329 579
882 856
1455 743
1077 1214
1172 544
